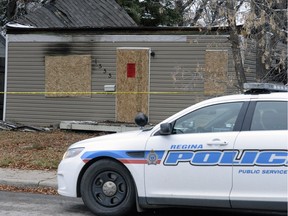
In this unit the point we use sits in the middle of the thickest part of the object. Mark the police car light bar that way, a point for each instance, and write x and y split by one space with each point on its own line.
266 86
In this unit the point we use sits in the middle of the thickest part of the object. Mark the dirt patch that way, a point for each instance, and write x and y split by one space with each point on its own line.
37 150
37 190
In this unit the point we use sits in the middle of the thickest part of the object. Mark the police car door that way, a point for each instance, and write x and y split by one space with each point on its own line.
193 166
260 169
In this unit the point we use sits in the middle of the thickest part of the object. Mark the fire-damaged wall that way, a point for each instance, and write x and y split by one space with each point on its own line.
158 74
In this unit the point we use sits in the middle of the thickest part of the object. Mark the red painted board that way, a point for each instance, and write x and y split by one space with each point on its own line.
131 70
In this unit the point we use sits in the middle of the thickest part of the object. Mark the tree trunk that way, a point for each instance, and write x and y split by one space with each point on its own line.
260 67
11 8
236 47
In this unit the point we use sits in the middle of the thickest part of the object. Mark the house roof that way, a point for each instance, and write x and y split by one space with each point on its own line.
77 14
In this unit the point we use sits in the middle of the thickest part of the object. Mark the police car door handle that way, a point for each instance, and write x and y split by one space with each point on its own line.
217 142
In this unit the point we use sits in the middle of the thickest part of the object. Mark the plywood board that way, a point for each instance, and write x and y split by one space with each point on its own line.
216 69
132 83
68 76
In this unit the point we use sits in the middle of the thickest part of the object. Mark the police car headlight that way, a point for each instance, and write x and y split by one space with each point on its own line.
72 152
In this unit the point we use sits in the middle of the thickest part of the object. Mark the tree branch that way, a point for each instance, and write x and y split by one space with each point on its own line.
199 12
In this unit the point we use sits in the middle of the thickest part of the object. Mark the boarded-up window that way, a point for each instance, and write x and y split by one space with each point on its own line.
216 69
68 76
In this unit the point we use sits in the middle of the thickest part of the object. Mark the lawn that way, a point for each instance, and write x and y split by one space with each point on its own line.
37 150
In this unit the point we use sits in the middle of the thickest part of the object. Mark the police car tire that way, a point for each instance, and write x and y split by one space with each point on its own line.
96 200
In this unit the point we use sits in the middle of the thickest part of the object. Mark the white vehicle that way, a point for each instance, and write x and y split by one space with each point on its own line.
226 152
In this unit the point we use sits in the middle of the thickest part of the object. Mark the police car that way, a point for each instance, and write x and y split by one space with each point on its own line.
226 152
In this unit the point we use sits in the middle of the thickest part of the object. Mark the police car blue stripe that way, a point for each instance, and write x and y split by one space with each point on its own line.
125 156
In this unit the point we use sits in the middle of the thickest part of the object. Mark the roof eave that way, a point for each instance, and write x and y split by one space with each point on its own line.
101 30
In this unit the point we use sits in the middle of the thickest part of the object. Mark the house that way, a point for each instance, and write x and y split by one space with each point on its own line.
111 73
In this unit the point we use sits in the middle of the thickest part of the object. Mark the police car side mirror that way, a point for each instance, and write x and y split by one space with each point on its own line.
166 129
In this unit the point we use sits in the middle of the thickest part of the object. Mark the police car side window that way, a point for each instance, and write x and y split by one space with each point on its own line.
215 118
270 116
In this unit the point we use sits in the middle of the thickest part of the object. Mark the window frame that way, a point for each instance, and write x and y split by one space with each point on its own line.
250 113
238 122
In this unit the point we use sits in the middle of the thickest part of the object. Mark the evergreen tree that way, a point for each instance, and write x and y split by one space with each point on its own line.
3 9
152 12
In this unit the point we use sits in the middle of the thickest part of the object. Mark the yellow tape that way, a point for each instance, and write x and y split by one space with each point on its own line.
82 93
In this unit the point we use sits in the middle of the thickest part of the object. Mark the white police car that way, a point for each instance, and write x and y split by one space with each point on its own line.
226 152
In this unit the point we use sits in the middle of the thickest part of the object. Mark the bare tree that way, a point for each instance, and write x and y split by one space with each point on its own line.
235 41
268 26
12 9
264 21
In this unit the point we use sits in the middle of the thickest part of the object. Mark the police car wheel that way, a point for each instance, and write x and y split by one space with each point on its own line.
108 189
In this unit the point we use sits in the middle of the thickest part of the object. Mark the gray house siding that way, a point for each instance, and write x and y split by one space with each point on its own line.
176 75
250 48
27 73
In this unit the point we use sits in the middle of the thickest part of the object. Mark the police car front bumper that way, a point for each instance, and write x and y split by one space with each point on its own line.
67 176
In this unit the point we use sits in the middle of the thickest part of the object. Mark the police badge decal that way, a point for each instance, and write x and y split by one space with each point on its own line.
152 158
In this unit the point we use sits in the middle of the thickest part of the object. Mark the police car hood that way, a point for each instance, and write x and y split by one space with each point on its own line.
105 139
